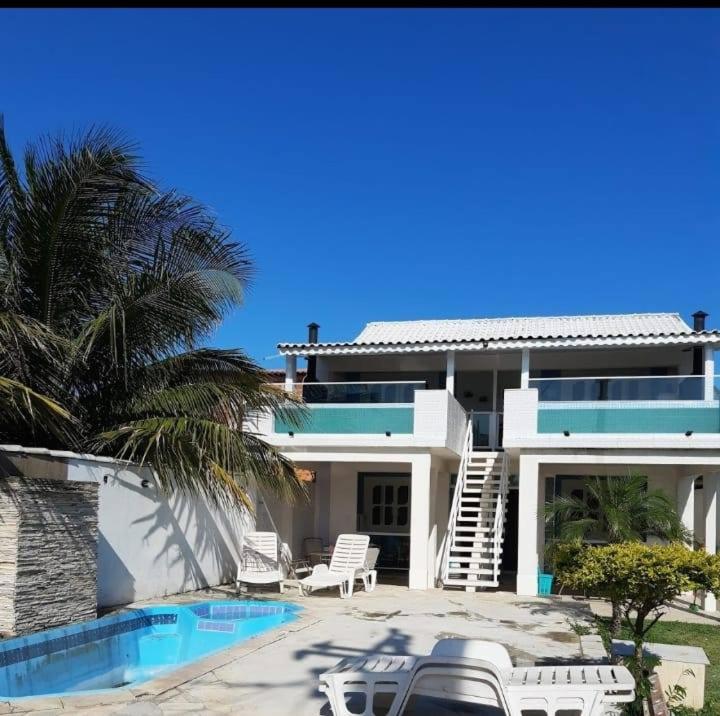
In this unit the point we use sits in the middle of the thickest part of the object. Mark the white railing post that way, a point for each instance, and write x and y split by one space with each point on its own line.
525 368
709 383
290 372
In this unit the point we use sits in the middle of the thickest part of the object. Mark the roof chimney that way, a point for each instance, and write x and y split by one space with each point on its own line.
312 360
699 320
313 332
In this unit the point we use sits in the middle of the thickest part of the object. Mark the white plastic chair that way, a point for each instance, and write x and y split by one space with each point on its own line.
260 562
368 573
348 559
478 672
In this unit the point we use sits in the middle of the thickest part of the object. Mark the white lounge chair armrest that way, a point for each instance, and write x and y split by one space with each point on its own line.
320 569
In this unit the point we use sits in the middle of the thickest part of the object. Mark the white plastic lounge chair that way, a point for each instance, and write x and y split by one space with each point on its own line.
260 562
368 573
477 672
348 559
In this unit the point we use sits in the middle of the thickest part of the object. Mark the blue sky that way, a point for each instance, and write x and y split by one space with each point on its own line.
386 165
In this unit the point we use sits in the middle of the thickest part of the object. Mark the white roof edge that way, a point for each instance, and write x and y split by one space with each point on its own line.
67 454
641 314
319 349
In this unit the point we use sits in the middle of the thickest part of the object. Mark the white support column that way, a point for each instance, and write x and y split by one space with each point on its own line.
528 527
433 536
420 485
711 494
709 373
686 501
525 368
450 372
290 372
442 512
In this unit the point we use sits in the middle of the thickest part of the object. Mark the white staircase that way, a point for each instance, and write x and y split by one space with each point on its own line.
473 546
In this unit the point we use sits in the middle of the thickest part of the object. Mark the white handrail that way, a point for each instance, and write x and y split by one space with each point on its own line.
455 507
499 523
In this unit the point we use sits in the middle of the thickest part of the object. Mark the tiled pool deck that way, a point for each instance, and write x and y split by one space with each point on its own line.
277 672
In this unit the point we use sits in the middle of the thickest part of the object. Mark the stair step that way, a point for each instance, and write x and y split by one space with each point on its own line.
479 571
471 582
473 529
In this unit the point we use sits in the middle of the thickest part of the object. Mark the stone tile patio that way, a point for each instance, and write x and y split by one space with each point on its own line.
277 672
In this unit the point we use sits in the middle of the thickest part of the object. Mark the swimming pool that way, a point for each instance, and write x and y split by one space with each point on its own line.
130 648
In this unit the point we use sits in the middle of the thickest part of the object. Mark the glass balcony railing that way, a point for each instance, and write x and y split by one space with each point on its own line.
360 393
671 387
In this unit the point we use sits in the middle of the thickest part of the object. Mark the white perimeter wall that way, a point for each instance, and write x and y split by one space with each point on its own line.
152 545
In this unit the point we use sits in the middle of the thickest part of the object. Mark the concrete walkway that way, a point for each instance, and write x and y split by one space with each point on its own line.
278 676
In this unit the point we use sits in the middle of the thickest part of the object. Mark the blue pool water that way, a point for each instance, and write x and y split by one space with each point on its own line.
129 648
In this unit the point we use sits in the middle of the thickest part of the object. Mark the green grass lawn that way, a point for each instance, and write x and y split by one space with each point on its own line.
705 636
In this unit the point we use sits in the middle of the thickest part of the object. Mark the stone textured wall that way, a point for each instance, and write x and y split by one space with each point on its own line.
9 522
55 526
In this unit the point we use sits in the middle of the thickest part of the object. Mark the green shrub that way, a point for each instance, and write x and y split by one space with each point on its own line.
641 578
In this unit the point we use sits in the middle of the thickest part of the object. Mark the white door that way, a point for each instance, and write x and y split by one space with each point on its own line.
386 507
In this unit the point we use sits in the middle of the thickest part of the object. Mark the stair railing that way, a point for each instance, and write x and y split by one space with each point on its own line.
499 522
456 501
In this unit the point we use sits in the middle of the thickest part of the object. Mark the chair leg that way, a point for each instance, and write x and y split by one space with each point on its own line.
347 591
280 584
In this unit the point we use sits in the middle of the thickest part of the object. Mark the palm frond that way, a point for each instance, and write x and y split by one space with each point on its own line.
202 456
621 508
38 412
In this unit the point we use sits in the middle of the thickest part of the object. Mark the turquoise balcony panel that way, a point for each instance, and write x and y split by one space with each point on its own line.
363 419
629 420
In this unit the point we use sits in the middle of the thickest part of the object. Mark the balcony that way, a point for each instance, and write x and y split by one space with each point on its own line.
361 408
368 414
673 387
669 411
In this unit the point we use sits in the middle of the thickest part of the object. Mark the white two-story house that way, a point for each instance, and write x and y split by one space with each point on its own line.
443 439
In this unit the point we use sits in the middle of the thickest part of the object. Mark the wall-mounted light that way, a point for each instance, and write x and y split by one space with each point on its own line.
105 479
688 433
291 433
566 433
387 433
145 483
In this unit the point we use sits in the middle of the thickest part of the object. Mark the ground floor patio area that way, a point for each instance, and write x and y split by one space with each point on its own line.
277 673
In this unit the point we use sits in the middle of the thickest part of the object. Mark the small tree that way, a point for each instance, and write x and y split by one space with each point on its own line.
640 580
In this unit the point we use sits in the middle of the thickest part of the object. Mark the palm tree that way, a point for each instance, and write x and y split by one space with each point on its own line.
618 509
109 291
